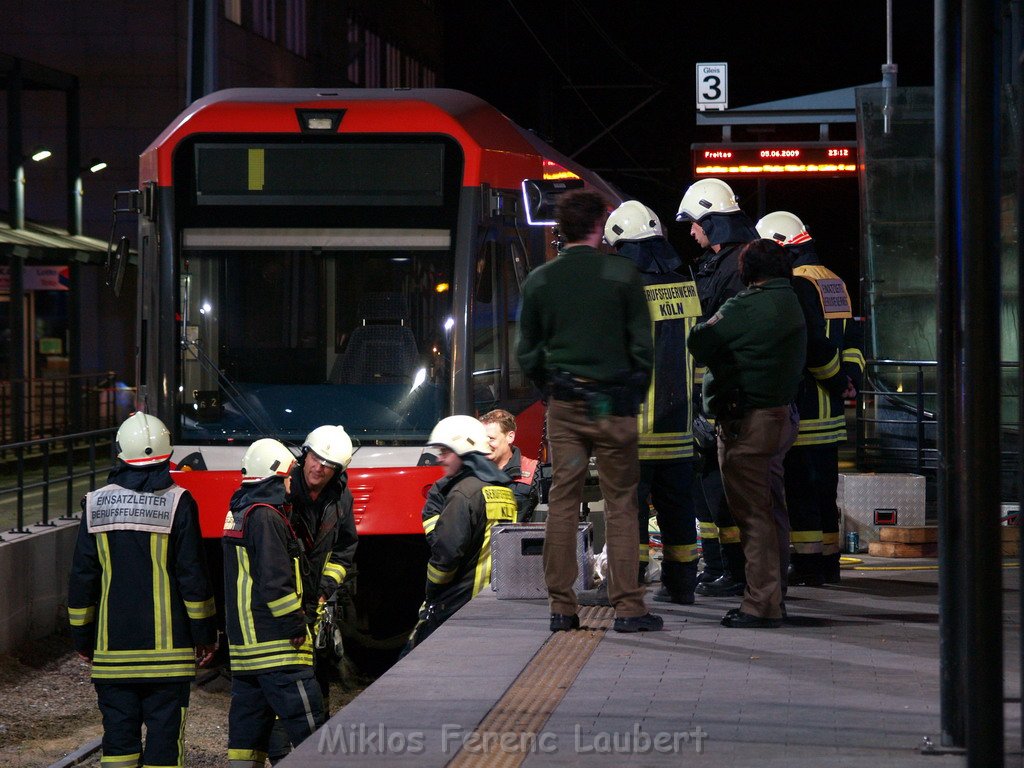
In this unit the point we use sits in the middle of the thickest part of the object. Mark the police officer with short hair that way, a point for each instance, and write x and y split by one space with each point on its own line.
139 600
269 638
834 372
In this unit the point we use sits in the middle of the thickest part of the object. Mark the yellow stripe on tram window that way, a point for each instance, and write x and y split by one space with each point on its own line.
257 169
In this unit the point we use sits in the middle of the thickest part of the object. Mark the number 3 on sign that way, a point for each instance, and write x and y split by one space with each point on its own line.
712 86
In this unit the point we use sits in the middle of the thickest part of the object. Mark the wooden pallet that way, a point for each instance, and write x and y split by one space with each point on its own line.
896 541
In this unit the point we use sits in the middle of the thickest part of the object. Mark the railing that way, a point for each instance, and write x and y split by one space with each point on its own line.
897 427
37 408
29 470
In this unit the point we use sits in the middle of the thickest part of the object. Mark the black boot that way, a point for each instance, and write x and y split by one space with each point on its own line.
830 569
678 581
735 562
806 570
711 549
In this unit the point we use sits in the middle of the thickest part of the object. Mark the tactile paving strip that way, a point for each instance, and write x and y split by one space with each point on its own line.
504 737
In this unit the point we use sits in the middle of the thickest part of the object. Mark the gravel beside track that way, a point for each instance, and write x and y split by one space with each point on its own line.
48 709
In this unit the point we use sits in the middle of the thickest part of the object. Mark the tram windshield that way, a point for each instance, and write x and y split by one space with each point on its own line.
276 342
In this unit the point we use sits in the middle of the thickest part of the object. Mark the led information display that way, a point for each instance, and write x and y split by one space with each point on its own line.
320 174
807 159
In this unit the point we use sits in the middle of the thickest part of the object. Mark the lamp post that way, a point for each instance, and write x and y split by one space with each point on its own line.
77 192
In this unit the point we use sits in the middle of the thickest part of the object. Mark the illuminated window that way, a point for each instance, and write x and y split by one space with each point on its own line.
233 11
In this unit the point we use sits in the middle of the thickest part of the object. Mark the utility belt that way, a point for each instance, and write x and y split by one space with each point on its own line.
602 399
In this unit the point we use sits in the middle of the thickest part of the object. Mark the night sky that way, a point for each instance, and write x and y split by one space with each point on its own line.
540 60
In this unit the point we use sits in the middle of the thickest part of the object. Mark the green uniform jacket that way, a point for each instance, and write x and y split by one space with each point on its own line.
756 344
585 313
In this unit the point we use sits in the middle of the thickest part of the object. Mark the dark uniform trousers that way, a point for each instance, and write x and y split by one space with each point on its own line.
812 484
751 451
717 523
162 707
572 436
667 483
293 696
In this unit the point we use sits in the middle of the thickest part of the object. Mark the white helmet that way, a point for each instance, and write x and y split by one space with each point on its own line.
783 227
632 221
266 458
461 435
330 443
704 197
143 440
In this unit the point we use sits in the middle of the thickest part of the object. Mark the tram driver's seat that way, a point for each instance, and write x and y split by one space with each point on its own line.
383 349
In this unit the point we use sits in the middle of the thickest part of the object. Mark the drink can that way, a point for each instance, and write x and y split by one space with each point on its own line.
852 543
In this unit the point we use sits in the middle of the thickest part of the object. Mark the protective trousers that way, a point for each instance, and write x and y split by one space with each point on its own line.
293 696
812 480
280 744
572 436
751 452
125 707
712 506
667 483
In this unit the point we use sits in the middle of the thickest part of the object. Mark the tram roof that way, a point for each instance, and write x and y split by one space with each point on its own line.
497 150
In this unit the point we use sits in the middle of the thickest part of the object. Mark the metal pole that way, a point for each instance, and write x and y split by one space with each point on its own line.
951 681
202 49
74 165
978 437
15 151
1018 79
18 347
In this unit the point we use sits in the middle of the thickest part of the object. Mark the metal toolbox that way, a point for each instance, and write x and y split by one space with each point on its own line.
871 501
517 565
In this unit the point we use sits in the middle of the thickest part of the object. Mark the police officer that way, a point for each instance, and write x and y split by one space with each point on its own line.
139 600
834 372
476 496
721 229
321 515
663 423
501 432
268 635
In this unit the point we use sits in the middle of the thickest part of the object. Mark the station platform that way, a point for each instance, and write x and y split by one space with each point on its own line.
851 679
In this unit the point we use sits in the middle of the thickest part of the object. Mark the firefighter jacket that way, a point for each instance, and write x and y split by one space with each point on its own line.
664 419
833 354
139 599
522 471
754 347
433 506
718 274
327 531
475 499
263 563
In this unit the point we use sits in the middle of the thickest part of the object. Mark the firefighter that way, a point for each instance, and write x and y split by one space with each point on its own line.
834 371
321 515
721 228
663 423
268 634
476 497
501 432
139 600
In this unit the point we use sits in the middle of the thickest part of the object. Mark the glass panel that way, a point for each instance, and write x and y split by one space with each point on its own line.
279 342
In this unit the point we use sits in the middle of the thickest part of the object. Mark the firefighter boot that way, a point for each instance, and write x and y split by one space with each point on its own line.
830 571
734 582
806 570
713 567
678 581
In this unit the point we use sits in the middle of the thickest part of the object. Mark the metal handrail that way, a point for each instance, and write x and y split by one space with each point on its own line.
39 451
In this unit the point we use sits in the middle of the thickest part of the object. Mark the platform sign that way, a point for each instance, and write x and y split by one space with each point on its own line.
795 159
712 86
